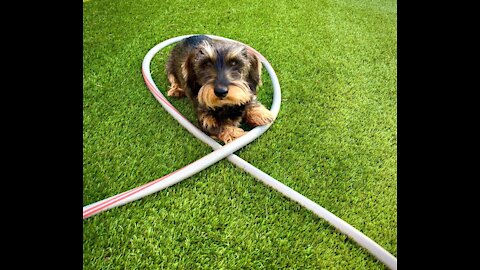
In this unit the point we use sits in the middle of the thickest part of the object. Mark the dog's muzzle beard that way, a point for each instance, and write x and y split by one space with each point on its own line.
213 96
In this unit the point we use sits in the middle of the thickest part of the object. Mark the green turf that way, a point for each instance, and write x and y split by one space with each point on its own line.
334 139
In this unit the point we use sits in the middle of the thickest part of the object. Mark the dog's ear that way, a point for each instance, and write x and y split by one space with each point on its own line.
254 74
188 72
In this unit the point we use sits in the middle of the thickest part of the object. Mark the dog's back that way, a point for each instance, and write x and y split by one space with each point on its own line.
193 41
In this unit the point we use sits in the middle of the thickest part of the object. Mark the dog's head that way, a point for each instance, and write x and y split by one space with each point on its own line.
227 72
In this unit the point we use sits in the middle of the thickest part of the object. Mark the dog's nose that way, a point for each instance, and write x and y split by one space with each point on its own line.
220 91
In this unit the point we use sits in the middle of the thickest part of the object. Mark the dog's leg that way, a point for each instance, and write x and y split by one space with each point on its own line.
229 133
256 114
175 90
226 131
208 123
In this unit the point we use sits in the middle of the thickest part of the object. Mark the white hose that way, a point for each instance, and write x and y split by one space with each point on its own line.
227 151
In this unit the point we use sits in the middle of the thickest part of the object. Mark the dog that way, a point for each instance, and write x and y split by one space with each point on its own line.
221 79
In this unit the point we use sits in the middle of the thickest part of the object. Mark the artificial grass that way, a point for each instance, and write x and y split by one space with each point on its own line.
334 140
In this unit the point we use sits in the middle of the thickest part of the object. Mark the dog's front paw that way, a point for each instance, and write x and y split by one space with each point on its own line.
176 92
258 116
230 133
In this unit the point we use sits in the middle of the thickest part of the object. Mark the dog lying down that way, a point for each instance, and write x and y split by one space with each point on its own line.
220 78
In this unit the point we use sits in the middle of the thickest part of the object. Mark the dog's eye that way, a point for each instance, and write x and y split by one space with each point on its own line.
205 63
233 63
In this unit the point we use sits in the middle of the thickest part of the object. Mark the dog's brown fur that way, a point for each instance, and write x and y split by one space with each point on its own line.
221 80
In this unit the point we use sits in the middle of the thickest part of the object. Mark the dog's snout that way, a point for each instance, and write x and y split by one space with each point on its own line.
221 91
